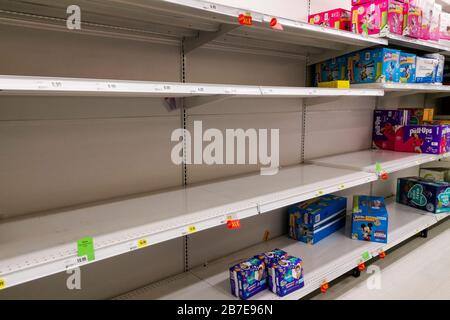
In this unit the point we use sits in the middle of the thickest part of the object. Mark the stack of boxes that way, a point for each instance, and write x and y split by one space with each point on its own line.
410 130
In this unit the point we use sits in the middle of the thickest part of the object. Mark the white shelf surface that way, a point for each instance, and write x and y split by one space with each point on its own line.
196 20
403 89
366 160
42 245
324 261
27 85
418 44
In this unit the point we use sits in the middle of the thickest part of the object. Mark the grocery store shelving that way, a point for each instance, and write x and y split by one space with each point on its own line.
118 226
418 44
366 160
323 262
201 23
406 89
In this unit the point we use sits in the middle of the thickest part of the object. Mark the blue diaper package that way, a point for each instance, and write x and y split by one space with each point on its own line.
248 278
407 67
311 221
272 256
431 196
369 219
377 65
439 73
426 70
286 276
334 69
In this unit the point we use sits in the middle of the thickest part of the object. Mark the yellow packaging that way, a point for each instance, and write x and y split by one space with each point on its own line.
340 84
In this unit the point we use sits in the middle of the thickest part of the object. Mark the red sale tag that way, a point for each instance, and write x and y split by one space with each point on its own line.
245 19
233 224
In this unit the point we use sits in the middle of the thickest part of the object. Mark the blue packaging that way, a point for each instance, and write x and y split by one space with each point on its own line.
439 71
431 196
377 65
334 69
407 67
426 70
272 256
369 219
311 221
286 276
248 278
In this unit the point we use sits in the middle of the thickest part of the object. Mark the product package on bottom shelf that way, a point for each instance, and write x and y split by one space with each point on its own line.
435 174
369 219
251 276
311 221
431 196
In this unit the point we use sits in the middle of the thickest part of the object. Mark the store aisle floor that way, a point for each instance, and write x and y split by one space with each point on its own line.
418 269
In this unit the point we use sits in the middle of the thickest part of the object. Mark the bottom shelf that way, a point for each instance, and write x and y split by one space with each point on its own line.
324 261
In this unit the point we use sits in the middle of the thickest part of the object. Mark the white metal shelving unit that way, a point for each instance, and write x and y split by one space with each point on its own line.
406 89
323 262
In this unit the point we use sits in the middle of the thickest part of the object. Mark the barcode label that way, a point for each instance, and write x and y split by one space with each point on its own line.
82 259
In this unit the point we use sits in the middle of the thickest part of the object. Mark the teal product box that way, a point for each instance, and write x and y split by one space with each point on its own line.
423 194
272 256
313 220
377 65
248 278
334 69
286 276
407 67
369 219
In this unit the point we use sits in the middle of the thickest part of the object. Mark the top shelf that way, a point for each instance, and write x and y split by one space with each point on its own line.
417 44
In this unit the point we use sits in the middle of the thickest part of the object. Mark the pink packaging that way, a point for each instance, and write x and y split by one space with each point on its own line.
412 26
357 2
435 22
336 18
427 7
444 27
378 17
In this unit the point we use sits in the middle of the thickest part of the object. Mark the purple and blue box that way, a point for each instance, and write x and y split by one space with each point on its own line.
250 276
385 124
377 65
313 220
369 219
427 195
431 139
286 276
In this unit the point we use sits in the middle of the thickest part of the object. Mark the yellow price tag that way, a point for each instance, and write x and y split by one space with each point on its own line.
142 243
192 229
320 193
2 284
342 186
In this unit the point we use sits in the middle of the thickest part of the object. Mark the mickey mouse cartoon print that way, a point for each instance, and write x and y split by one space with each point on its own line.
366 231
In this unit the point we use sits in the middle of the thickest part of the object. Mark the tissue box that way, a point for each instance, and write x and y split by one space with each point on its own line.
369 219
313 220
426 70
407 67
385 124
439 70
286 276
377 65
272 256
248 278
422 139
424 194
435 174
336 18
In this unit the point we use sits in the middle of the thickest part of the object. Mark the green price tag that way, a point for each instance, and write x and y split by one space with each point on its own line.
86 248
378 168
366 256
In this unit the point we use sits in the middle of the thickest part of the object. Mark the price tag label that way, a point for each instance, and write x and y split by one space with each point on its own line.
234 224
245 19
2 283
320 193
365 256
142 243
85 247
191 229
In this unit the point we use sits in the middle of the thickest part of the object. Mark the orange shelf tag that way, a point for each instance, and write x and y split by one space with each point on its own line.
234 224
324 287
362 266
245 19
382 255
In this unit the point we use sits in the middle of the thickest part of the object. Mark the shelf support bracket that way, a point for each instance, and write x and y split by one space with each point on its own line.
196 101
205 37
